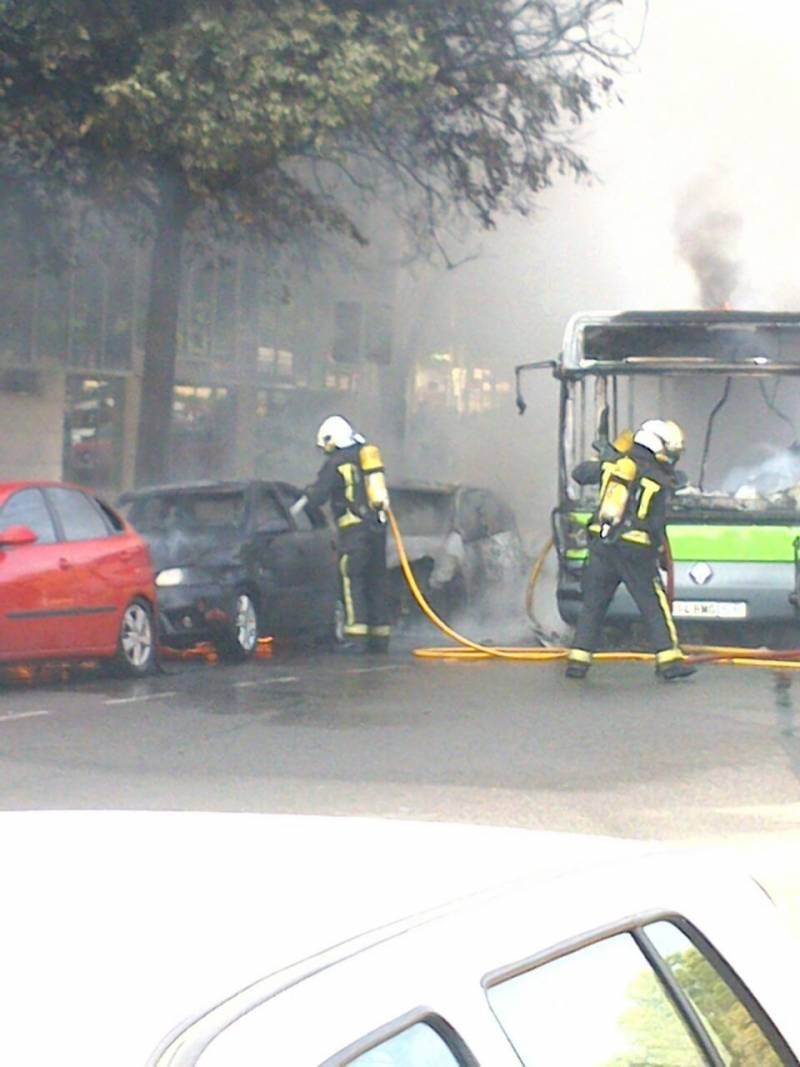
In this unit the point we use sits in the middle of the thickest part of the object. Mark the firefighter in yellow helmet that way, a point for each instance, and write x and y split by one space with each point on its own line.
627 531
352 480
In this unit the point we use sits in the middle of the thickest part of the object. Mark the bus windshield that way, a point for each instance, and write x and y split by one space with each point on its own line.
730 379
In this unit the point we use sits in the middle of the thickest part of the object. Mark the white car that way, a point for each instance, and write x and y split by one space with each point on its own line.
252 940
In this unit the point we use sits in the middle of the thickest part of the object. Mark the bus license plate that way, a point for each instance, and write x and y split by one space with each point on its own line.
709 609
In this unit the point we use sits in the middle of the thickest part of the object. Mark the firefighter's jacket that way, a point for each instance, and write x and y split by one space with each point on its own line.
644 520
341 481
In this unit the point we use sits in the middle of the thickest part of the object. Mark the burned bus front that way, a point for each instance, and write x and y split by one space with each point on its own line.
731 380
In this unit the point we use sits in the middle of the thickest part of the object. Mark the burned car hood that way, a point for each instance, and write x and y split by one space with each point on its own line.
417 547
447 554
183 549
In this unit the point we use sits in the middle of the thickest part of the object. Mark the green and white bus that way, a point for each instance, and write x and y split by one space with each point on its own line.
731 380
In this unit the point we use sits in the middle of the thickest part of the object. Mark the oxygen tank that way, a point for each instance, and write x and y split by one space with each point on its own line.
374 477
617 481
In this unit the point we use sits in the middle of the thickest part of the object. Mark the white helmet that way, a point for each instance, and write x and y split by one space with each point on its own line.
663 437
336 432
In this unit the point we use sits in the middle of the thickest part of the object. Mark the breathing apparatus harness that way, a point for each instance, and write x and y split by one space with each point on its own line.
371 463
615 498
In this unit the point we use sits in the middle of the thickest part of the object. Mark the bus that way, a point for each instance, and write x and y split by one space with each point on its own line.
731 380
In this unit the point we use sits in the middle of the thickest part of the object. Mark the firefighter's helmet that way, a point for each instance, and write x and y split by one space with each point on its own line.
663 437
336 432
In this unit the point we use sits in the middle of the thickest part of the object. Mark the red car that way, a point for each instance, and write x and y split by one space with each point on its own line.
75 579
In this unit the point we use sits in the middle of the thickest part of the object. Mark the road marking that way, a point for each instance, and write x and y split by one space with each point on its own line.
267 681
22 715
374 670
139 699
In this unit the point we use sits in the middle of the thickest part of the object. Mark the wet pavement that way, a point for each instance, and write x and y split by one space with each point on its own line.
714 759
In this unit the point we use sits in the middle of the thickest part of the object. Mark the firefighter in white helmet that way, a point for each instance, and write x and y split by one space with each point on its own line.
627 532
352 480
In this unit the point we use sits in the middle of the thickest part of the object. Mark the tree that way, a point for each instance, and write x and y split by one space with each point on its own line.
269 118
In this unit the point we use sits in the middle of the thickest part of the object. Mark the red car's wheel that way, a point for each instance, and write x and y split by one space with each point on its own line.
136 644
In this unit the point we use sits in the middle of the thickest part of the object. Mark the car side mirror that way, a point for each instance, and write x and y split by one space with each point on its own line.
17 535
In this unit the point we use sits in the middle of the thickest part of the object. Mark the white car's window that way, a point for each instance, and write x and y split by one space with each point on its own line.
602 1006
27 508
80 519
418 1046
735 1033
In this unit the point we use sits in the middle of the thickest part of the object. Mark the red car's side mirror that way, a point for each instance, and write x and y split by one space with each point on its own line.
17 535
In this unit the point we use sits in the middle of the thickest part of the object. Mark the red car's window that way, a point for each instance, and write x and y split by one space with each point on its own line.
114 520
27 508
80 519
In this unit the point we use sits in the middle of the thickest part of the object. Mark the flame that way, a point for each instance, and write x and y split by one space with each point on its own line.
30 673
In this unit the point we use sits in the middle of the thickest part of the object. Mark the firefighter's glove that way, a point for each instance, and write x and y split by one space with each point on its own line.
298 506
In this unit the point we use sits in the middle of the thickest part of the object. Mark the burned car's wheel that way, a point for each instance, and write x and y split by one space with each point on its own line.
337 623
136 644
238 642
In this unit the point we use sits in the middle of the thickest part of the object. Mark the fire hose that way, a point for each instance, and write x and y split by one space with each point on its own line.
466 649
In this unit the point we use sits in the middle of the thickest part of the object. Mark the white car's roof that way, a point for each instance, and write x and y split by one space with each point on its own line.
119 925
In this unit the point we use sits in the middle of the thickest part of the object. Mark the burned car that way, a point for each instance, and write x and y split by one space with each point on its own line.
233 564
463 546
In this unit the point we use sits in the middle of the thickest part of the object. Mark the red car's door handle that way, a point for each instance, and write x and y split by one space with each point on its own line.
64 564
126 555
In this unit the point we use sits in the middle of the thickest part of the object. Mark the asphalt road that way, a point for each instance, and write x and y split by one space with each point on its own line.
711 760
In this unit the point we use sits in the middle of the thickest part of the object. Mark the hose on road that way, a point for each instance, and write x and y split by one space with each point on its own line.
466 649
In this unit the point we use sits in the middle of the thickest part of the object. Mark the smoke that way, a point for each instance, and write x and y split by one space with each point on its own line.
707 237
776 473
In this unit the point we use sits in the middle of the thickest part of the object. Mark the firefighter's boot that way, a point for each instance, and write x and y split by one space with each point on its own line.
578 663
353 646
576 670
679 668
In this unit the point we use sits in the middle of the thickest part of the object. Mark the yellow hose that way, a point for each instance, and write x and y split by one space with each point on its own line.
471 650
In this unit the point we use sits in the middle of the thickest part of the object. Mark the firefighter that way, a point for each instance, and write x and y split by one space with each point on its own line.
352 479
627 533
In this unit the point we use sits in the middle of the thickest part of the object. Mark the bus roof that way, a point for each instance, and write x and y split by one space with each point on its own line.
630 342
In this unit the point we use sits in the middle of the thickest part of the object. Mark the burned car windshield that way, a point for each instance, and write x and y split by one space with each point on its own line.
422 513
187 511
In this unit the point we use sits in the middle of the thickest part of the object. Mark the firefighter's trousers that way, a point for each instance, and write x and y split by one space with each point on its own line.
636 567
365 585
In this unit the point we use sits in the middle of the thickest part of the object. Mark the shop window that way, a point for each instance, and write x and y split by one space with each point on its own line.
378 339
93 431
203 431
347 331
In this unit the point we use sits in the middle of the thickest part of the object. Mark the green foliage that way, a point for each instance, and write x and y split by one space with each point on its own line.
656 1034
273 118
729 1020
260 108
